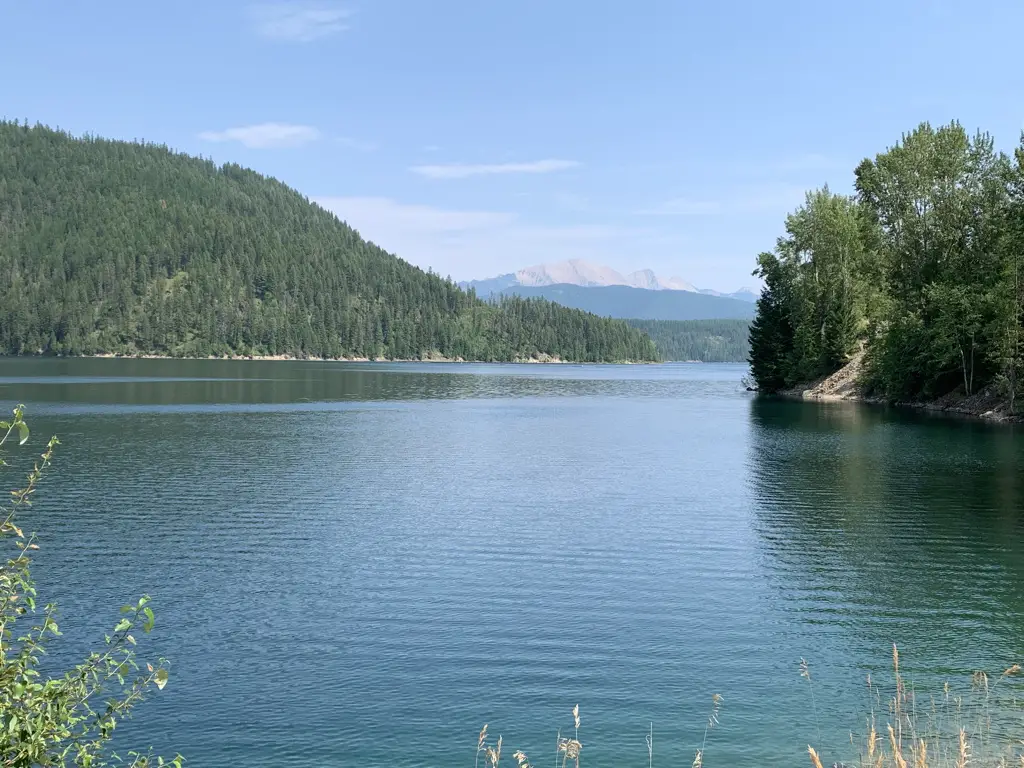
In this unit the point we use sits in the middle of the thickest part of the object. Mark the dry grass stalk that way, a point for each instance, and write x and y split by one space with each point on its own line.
897 754
980 680
805 672
964 755
494 753
570 749
940 742
921 758
900 695
480 744
716 705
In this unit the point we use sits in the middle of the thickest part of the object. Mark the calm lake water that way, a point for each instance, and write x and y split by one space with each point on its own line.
360 564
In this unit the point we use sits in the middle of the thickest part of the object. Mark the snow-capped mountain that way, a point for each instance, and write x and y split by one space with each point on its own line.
587 275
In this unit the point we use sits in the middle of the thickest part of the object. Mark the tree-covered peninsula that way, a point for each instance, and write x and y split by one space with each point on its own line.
121 247
919 274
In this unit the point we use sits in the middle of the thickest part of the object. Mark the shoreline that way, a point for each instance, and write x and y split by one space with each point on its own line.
544 359
315 359
843 385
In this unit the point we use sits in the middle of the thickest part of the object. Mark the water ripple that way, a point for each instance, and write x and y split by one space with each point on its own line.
361 564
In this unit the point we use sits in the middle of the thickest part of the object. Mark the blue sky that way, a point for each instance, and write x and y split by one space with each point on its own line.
480 137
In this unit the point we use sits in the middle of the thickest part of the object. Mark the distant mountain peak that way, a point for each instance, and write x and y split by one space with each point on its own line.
572 272
644 278
586 274
678 284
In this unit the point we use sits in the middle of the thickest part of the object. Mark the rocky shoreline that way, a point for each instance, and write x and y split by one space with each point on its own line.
844 384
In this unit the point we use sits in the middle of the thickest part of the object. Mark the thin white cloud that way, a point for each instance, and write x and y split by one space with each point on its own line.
462 170
265 135
299 22
471 244
381 214
770 198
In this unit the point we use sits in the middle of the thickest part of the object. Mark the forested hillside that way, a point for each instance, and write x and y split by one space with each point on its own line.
110 246
628 302
710 341
922 267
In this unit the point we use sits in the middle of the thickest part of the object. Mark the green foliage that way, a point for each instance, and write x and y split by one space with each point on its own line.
1006 352
117 247
823 246
939 199
710 341
771 333
69 719
922 267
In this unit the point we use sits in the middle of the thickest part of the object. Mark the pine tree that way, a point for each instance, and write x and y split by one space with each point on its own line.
771 332
145 250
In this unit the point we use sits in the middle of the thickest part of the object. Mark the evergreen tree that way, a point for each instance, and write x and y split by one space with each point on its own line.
118 247
771 332
925 269
710 341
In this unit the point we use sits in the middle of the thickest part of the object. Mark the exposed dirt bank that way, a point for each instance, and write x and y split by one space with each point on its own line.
845 384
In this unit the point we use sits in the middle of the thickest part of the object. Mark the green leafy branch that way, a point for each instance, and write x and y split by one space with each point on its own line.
68 719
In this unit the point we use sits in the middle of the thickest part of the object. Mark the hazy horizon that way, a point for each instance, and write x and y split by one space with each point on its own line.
478 139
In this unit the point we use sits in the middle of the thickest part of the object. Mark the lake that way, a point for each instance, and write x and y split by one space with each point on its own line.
360 564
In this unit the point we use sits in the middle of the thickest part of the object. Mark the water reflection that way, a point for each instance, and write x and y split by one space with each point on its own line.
405 551
155 384
885 527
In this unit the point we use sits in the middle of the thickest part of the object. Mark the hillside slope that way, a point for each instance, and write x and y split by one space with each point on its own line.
710 341
625 302
110 246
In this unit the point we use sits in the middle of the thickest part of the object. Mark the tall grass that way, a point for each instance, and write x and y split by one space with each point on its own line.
982 728
945 730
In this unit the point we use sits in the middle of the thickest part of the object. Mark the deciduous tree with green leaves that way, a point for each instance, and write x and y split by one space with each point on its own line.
67 719
823 245
924 268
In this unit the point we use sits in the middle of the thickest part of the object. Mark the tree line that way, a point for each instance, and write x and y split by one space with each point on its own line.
920 268
710 341
124 247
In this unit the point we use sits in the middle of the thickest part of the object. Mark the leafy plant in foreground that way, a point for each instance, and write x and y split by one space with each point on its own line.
68 719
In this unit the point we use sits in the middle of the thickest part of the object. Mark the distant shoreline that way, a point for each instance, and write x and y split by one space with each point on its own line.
545 360
315 359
